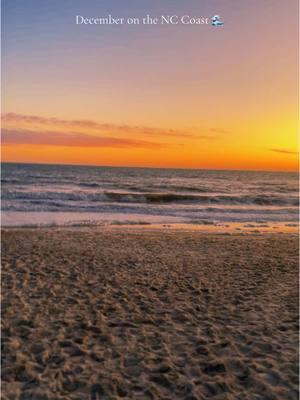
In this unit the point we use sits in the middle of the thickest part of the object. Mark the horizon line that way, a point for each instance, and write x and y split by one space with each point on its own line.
143 167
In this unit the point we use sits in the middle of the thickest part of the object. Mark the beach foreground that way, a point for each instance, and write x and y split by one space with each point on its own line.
127 314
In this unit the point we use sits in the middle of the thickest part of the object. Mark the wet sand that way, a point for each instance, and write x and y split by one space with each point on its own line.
125 314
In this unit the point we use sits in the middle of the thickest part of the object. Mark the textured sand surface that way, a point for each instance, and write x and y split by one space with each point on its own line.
149 315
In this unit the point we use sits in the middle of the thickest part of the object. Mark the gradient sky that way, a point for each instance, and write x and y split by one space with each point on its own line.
157 96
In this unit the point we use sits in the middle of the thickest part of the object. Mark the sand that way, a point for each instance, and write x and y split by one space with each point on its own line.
125 314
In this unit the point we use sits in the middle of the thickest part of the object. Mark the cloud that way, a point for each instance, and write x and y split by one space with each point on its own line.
75 139
33 122
42 131
284 151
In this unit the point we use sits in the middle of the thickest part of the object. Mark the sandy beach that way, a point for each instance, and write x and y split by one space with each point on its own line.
127 314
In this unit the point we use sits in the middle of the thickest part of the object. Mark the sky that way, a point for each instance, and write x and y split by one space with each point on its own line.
187 96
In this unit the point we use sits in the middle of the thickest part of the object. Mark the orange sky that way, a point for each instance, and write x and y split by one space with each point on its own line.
188 97
48 140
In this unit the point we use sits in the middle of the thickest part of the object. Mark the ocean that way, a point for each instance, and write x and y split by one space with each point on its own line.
51 195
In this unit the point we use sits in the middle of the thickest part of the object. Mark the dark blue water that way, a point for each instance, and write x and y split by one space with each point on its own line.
63 194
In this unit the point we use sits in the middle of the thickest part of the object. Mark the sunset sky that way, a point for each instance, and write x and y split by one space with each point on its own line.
188 96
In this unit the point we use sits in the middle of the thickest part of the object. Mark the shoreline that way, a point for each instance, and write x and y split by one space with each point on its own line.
209 228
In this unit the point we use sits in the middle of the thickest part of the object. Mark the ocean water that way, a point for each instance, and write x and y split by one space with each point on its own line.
37 195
